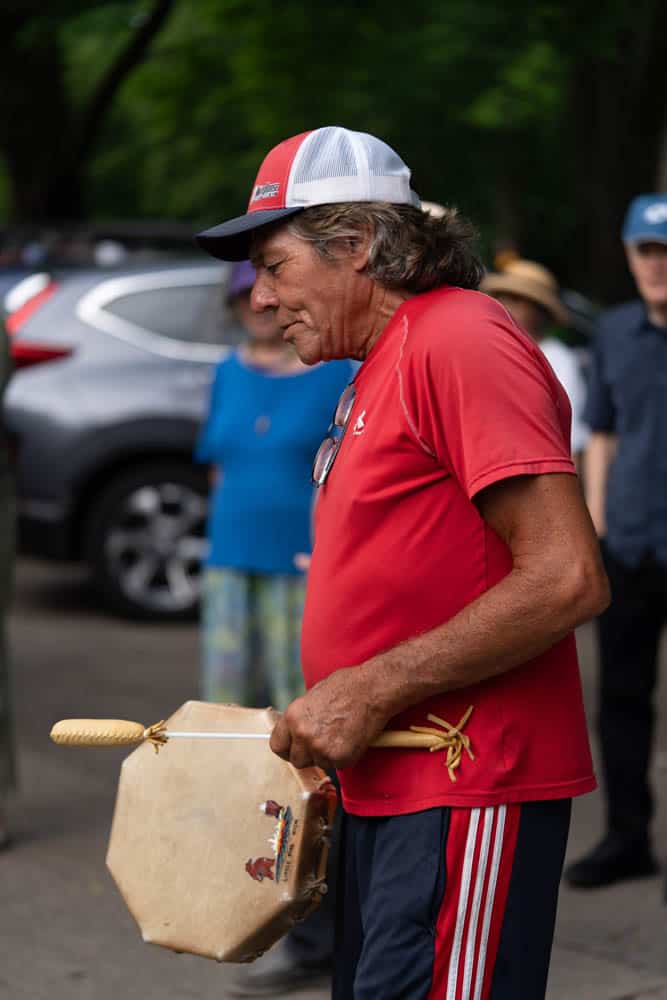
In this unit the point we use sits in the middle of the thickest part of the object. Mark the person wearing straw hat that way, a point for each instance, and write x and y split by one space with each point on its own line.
530 294
453 557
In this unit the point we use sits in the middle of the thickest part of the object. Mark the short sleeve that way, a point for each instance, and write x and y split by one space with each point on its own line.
599 411
203 451
490 407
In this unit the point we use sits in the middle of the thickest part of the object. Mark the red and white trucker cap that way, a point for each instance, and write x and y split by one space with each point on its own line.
323 167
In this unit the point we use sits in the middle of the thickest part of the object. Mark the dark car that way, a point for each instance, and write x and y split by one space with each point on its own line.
112 380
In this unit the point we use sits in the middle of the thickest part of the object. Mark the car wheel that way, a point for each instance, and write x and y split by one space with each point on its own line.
146 539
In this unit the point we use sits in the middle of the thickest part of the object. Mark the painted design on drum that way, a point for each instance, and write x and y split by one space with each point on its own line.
260 868
271 808
280 839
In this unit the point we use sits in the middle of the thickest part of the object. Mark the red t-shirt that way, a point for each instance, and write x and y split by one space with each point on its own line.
452 397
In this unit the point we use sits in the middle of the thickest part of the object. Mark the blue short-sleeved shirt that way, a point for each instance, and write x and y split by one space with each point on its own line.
628 397
263 430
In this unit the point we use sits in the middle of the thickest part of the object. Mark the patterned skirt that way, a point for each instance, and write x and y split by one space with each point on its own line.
251 633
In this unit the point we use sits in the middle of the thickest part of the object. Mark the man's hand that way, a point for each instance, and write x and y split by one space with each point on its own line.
333 724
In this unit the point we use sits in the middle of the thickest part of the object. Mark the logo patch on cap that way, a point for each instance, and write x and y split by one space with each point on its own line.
655 214
265 191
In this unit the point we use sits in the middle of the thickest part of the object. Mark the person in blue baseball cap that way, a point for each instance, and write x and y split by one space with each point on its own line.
646 220
626 487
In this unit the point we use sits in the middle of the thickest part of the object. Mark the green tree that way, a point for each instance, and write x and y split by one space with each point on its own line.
540 120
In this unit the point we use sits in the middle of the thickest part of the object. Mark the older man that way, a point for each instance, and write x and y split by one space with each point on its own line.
626 482
453 557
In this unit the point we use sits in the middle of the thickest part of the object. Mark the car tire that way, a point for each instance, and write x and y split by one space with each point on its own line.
145 540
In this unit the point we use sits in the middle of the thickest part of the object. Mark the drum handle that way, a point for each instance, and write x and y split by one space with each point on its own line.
120 732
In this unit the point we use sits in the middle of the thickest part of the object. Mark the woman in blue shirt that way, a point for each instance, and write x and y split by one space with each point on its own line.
267 415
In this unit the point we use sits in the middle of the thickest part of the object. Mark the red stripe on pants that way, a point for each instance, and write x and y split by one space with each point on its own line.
479 857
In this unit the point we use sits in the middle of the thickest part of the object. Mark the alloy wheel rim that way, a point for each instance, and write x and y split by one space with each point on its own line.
156 545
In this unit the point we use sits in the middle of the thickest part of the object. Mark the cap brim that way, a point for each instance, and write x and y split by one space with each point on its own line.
231 240
646 238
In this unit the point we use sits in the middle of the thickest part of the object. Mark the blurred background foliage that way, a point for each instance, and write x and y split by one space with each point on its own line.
538 118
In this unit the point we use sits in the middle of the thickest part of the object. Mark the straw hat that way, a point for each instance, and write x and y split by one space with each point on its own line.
530 281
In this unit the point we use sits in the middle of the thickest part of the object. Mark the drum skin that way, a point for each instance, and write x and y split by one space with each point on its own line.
218 846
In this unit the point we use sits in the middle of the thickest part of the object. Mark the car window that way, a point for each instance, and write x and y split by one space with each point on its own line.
193 313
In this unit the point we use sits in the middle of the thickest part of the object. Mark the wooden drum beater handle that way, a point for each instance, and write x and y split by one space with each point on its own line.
440 735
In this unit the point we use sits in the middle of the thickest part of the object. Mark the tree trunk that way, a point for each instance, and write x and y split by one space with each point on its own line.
35 123
48 145
661 181
618 109
507 212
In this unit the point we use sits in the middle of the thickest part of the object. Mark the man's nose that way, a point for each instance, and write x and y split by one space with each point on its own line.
263 295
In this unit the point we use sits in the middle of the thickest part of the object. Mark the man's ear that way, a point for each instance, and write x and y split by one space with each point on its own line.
630 257
360 250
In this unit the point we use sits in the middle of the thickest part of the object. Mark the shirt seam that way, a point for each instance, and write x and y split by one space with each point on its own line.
406 413
477 797
528 463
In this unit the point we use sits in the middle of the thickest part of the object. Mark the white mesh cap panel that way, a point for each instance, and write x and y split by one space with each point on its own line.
335 164
383 161
326 153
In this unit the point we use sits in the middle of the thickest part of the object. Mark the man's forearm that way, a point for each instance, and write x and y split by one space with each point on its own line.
557 581
597 460
505 627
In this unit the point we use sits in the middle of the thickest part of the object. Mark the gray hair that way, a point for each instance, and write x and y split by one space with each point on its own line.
409 249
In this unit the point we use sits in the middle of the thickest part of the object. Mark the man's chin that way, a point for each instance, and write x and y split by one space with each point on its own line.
655 299
308 352
308 358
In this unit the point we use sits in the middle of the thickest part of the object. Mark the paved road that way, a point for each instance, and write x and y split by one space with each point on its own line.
64 932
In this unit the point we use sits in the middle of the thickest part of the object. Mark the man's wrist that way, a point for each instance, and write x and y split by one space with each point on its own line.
386 685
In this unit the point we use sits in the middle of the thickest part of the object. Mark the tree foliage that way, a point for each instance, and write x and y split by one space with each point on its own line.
539 119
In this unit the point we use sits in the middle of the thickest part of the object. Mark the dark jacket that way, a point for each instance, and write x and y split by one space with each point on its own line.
627 396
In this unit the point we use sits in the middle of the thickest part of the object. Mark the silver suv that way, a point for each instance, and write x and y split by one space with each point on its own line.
111 383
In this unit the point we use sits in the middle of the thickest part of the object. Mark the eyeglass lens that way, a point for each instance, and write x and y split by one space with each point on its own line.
344 408
329 448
